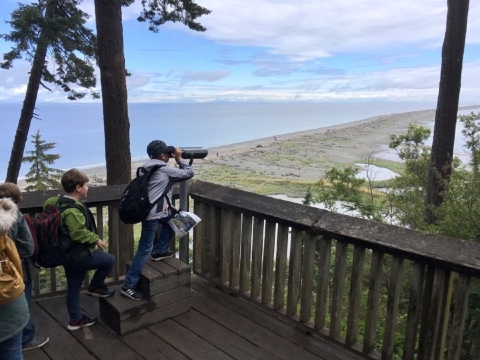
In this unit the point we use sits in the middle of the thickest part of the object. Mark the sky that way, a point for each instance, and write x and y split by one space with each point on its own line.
282 50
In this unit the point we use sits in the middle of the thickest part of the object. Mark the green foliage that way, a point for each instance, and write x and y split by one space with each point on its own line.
308 199
343 185
409 190
158 12
471 134
40 176
404 198
71 46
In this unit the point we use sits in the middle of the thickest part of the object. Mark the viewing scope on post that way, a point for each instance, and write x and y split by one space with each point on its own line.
193 153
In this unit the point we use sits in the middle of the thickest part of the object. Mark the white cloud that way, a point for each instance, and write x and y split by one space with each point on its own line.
305 30
207 76
285 50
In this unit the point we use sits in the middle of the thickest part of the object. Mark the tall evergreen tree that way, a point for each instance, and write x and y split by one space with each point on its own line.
41 176
111 61
49 32
447 105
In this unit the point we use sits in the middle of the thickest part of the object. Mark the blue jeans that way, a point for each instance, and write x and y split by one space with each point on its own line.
11 349
145 246
75 270
29 330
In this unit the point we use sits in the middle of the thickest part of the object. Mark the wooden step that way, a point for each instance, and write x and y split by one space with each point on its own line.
167 284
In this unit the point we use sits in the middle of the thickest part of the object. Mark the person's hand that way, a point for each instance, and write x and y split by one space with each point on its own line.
178 154
102 244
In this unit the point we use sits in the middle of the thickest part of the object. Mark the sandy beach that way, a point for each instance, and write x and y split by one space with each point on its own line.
303 155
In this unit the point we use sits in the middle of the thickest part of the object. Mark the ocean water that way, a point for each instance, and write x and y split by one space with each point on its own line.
77 128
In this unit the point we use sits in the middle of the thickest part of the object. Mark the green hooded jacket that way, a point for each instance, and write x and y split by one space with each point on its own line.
80 224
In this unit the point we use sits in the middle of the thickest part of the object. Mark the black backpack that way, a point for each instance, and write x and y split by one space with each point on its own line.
135 204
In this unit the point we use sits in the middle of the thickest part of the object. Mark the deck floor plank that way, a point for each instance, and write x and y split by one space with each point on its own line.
249 330
220 326
223 338
322 349
189 343
100 341
147 344
46 325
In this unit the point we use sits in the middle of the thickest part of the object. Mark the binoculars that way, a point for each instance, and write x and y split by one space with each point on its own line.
194 153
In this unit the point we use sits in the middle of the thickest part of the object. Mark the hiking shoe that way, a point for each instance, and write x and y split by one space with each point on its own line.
156 257
84 322
102 291
132 293
35 343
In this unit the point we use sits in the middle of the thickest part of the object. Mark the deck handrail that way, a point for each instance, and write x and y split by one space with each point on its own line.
337 276
323 285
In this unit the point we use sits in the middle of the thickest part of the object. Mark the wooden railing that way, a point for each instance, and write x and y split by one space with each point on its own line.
378 290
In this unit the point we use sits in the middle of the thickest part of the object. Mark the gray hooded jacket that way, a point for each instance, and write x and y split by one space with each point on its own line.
162 181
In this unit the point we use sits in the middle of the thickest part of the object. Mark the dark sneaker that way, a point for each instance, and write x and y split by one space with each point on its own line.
156 257
37 342
102 291
84 322
132 293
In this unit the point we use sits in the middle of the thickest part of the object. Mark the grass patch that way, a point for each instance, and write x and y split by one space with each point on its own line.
255 182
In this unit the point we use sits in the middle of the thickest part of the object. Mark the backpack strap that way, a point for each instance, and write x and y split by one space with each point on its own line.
89 221
173 211
150 173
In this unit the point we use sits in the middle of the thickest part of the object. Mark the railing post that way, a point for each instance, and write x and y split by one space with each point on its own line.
183 245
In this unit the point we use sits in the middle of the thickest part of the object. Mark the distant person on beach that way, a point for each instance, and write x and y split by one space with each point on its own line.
78 225
21 236
160 184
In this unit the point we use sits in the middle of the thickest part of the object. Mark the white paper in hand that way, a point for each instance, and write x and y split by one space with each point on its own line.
183 222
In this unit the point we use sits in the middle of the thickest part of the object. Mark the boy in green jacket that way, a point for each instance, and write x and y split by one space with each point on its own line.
80 240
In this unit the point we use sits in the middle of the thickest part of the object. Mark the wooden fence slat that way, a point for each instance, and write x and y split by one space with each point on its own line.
445 316
113 244
235 250
355 296
99 211
214 241
257 256
200 263
225 246
433 315
325 253
340 271
373 302
294 272
246 253
394 289
430 273
268 256
458 318
414 310
280 267
307 278
206 238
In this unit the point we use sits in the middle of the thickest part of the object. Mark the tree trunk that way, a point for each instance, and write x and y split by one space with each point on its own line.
111 61
30 100
447 105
